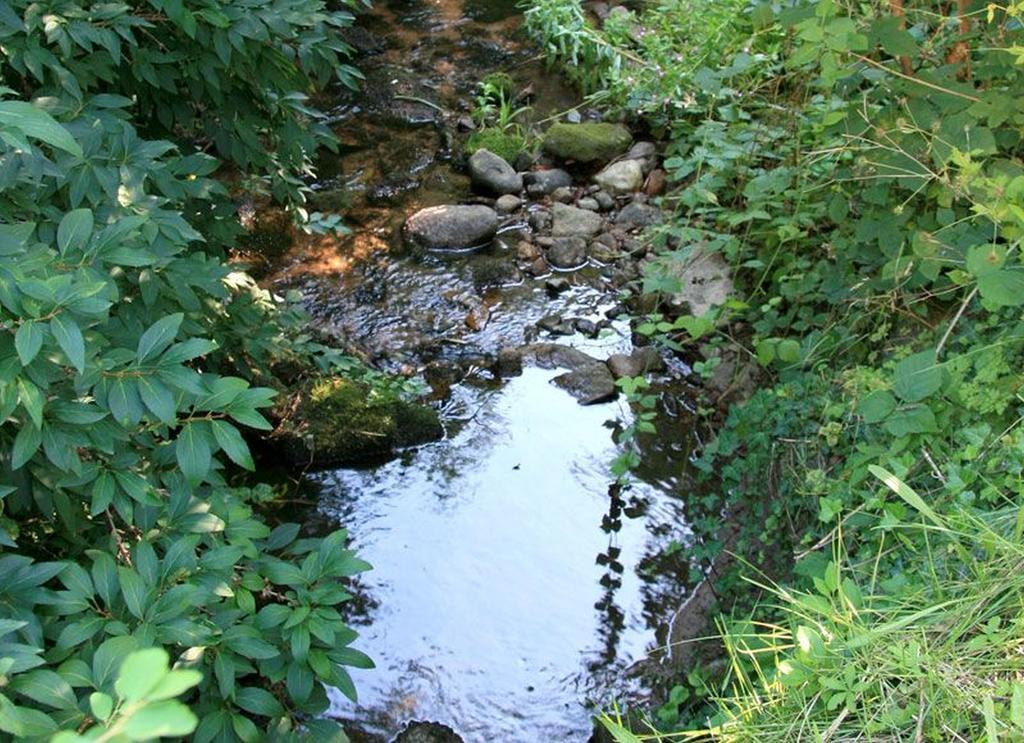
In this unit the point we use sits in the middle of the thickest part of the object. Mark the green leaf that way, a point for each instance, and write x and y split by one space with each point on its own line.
158 336
32 400
27 341
46 687
70 340
911 419
158 399
1003 288
33 122
175 683
231 441
896 41
169 718
26 444
101 705
134 589
140 673
876 406
259 702
905 492
108 656
788 351
74 230
917 377
192 450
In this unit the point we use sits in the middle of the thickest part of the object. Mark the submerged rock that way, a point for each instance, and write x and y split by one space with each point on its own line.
587 378
625 176
427 732
341 421
492 174
452 227
587 142
569 221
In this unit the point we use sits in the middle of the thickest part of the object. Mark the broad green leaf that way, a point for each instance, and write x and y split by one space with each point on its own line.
32 400
876 406
108 657
46 687
231 441
905 492
917 377
259 702
168 718
175 683
140 673
134 590
26 444
38 124
27 341
158 399
158 336
1002 288
74 230
101 705
70 340
192 450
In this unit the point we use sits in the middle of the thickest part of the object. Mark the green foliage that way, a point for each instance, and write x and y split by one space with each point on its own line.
860 171
231 75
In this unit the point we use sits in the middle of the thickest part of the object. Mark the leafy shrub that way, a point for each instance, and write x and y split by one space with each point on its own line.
119 528
232 75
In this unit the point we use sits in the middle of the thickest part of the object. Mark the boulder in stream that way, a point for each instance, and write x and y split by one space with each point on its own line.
568 253
542 182
492 174
587 378
588 142
452 227
641 361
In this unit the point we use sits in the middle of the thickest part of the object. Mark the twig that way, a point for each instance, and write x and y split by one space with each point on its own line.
919 81
956 319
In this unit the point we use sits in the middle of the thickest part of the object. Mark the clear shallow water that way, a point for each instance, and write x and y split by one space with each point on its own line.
505 585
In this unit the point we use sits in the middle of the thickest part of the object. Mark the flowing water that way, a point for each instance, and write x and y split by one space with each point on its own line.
513 585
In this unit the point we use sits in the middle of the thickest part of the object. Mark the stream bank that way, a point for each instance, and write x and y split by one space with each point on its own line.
515 585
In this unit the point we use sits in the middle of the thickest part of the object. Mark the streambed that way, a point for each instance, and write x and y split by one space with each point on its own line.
513 585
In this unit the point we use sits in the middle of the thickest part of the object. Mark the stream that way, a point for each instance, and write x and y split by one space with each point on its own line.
514 585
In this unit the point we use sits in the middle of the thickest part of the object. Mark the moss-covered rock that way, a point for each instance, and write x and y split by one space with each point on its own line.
505 145
340 421
588 142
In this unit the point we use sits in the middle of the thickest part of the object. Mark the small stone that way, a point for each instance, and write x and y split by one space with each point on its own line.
570 221
527 251
568 253
523 161
589 204
555 325
616 310
625 176
641 150
655 183
604 200
638 215
545 241
543 182
587 327
507 204
466 124
478 317
540 220
538 268
562 194
556 285
491 173
573 116
603 253
608 240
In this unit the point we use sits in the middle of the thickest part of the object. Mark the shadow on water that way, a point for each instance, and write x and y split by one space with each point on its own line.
512 587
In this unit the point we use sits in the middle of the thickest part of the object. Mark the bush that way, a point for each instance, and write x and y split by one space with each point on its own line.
232 75
121 422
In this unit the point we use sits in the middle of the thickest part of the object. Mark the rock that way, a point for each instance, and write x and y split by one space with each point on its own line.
563 194
573 116
490 271
641 361
568 221
427 732
638 215
603 252
608 240
655 183
540 220
523 161
492 174
587 327
452 227
625 176
507 204
465 124
478 317
338 421
568 253
642 150
705 281
589 385
604 200
589 204
556 286
555 325
543 182
527 251
538 267
587 379
586 142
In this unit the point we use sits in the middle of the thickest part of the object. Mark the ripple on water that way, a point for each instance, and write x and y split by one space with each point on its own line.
497 590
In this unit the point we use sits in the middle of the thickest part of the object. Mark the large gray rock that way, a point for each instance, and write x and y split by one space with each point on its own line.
542 182
587 379
638 215
641 361
568 221
452 227
625 176
705 281
568 252
491 174
588 142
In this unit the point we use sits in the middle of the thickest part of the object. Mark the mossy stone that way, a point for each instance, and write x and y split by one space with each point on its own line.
505 145
341 421
588 142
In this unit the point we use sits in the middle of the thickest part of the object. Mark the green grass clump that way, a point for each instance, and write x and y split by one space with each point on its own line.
504 144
